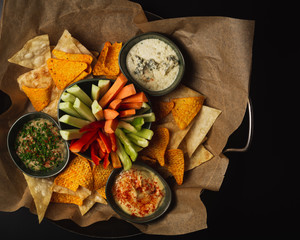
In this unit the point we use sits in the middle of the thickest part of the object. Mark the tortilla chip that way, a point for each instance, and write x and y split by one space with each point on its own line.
64 72
175 164
78 173
41 191
149 161
66 43
202 124
51 109
66 198
34 53
97 197
99 66
101 192
86 206
162 109
39 97
37 78
186 109
158 145
111 63
81 192
75 57
201 155
101 175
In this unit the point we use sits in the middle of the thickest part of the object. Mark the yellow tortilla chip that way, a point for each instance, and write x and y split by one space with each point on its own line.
158 145
41 192
34 53
39 97
64 72
66 198
186 109
101 175
78 173
99 66
75 57
175 164
111 63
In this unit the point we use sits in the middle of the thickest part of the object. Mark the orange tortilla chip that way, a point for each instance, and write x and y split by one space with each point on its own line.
66 198
39 97
162 109
101 175
75 57
111 63
78 173
101 191
186 109
63 72
175 164
99 66
158 145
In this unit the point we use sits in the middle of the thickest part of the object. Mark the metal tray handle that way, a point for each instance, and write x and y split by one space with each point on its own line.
250 130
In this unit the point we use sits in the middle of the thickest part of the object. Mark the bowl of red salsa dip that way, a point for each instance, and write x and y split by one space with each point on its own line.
36 147
139 194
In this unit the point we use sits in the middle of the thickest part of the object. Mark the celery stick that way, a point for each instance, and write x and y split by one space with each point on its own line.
142 142
127 126
126 162
127 144
145 133
138 123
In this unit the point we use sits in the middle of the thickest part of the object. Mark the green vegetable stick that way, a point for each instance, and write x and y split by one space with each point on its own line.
123 156
127 144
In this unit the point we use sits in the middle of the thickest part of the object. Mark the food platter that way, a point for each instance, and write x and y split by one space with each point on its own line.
135 231
106 229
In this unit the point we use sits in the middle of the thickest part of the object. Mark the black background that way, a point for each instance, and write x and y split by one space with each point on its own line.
257 197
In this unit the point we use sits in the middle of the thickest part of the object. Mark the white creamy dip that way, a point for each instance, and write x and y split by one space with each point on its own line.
153 64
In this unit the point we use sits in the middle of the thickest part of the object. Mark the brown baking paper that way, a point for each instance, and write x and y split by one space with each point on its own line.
217 51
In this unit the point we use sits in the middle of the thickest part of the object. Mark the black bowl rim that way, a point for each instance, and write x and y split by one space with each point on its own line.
38 174
167 41
94 80
158 213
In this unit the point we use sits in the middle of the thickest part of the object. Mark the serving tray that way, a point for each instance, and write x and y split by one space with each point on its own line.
107 229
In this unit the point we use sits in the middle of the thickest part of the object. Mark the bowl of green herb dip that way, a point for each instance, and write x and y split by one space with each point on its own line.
36 147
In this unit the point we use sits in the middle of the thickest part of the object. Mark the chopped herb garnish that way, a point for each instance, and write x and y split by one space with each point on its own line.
39 145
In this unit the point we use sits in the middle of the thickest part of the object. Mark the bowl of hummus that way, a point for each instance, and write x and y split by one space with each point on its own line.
153 62
36 147
139 194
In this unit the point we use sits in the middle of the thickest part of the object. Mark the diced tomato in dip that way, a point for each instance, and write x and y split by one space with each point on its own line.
138 191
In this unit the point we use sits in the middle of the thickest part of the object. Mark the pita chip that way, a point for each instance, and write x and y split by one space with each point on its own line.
202 124
201 155
34 53
41 191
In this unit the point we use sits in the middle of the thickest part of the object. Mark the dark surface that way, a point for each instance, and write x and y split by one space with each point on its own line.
257 197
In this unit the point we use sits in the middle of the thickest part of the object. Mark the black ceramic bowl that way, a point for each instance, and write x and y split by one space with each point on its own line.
161 209
151 35
11 139
86 85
